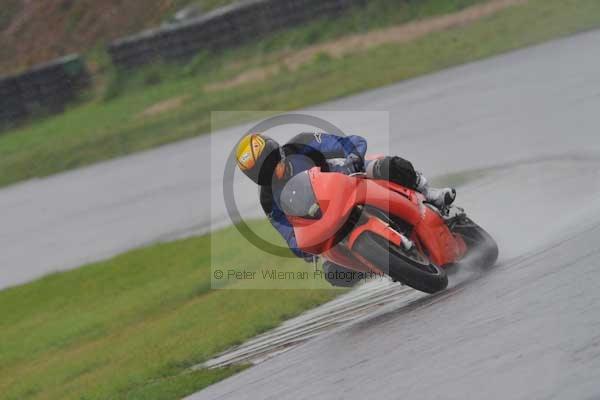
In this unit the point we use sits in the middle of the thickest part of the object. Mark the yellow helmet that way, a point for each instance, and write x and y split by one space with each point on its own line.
257 156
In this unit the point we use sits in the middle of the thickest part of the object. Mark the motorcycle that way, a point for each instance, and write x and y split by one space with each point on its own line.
379 227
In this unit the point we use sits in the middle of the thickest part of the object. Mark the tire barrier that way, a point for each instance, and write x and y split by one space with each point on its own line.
43 89
222 28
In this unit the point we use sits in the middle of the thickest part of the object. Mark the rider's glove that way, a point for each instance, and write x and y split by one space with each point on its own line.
354 163
349 165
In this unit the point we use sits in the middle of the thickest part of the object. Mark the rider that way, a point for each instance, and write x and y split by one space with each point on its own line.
271 166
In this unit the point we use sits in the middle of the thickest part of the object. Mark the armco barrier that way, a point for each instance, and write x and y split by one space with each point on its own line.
225 27
45 88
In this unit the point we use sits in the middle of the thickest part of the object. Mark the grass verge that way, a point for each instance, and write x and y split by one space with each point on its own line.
130 327
100 130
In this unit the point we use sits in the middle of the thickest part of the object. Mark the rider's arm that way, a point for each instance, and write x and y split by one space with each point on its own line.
353 148
280 222
331 146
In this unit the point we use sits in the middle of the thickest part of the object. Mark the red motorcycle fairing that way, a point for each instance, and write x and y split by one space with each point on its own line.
430 230
339 194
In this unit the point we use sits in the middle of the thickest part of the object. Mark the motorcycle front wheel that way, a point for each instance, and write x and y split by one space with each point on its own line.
411 268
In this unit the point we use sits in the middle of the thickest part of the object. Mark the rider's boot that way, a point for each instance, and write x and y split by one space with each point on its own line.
441 198
340 276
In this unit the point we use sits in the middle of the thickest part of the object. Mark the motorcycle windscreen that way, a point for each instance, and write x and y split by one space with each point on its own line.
298 199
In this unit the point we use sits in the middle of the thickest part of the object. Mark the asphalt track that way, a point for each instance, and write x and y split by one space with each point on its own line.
526 125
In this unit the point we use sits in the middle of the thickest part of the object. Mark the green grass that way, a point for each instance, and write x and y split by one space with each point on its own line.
130 327
375 14
103 129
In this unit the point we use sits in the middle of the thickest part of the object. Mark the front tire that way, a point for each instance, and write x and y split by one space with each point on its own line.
423 275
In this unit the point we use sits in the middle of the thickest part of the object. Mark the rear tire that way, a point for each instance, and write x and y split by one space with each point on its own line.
481 245
426 277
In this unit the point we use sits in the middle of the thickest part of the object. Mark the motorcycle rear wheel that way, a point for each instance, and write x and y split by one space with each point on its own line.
421 274
481 245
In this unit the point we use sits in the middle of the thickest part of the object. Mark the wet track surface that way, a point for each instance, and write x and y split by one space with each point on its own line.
362 301
528 329
522 130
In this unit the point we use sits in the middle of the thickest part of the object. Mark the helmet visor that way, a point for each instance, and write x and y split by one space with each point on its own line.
298 199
